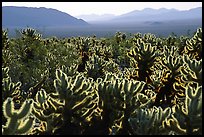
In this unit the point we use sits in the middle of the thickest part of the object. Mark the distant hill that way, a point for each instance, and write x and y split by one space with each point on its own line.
37 17
147 16
158 15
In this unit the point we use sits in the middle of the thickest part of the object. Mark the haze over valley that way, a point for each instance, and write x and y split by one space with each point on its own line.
52 22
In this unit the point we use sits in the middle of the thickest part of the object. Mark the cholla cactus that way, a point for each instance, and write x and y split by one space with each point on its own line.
70 71
5 40
30 33
95 67
169 51
149 121
118 37
120 97
149 38
18 121
10 89
144 56
170 41
171 83
79 96
187 119
192 70
137 36
48 109
194 46
131 73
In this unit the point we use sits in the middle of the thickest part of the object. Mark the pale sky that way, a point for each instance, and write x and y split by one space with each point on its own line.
116 8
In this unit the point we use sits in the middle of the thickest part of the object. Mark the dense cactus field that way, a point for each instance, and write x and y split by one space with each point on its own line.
123 85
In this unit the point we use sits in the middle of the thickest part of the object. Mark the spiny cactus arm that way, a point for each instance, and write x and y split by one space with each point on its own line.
25 109
26 126
37 105
193 100
194 69
70 71
142 98
8 107
40 115
173 63
85 88
9 88
88 112
62 83
173 125
5 72
81 104
78 83
165 114
33 90
193 64
138 85
55 103
54 95
116 89
188 118
143 101
11 125
41 96
149 121
142 123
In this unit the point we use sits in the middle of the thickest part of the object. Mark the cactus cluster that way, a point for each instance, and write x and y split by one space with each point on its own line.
187 119
149 121
123 85
47 109
18 121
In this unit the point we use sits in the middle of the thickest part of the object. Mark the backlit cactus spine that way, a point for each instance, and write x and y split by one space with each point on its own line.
193 46
48 110
119 99
171 84
10 89
192 71
144 57
187 119
149 121
18 121
79 97
5 39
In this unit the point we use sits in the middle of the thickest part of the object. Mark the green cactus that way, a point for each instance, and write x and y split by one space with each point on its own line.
80 98
144 56
192 70
119 98
30 33
131 73
187 119
194 46
10 89
5 39
48 109
149 38
16 123
70 71
95 67
149 121
171 85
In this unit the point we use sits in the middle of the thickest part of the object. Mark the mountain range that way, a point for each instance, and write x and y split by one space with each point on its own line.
52 22
37 17
148 15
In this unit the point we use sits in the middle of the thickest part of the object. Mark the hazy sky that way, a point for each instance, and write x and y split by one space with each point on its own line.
117 8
